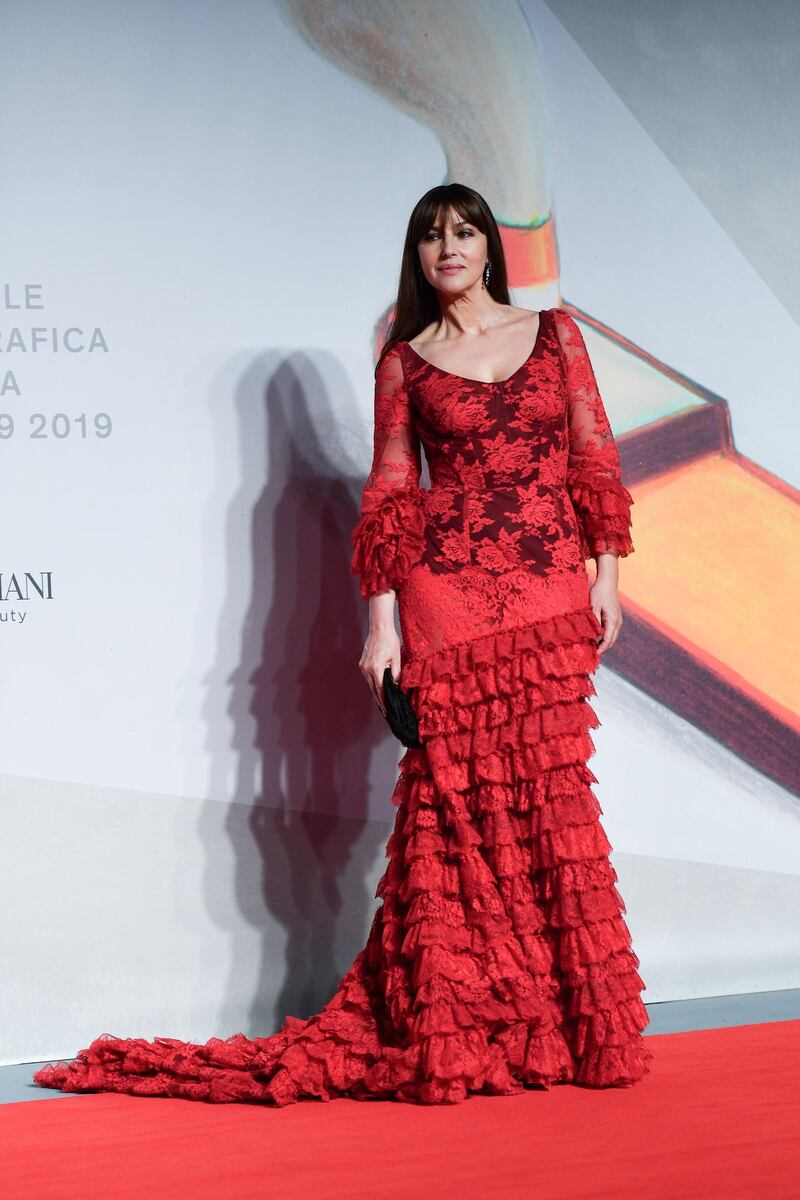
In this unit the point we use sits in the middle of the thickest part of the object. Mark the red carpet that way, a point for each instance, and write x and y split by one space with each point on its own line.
716 1117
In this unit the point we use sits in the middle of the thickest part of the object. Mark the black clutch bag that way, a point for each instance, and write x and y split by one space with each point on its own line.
399 713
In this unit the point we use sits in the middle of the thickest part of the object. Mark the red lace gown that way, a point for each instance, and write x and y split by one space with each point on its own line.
499 957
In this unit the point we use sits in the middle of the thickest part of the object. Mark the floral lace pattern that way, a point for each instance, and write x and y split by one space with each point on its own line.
499 958
524 473
525 486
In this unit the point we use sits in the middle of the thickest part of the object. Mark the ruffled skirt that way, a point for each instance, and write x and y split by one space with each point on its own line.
499 958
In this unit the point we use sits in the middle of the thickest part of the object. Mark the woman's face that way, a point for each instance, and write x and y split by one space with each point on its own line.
453 254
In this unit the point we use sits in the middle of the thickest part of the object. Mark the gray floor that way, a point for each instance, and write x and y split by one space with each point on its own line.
675 1016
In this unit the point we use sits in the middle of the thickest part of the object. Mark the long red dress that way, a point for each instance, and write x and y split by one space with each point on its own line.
499 956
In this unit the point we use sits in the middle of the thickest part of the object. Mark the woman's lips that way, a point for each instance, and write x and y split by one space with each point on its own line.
450 270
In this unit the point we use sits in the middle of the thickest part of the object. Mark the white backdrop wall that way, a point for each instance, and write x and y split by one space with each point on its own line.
191 837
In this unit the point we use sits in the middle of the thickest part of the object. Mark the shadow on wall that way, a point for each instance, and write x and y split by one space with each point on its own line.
299 716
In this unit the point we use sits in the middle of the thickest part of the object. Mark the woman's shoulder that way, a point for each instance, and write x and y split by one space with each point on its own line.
425 335
556 312
389 366
525 316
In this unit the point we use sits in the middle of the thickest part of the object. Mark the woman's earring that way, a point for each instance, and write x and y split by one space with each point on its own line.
487 273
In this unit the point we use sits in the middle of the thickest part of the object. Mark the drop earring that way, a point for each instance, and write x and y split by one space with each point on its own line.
487 273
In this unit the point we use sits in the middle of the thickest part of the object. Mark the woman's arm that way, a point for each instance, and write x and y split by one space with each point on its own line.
602 504
388 539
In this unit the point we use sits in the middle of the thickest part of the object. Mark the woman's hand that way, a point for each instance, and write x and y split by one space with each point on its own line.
382 647
604 600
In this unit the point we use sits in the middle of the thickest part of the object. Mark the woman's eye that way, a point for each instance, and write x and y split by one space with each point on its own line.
466 232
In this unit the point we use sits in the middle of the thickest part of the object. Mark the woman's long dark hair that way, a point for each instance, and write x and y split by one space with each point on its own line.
416 305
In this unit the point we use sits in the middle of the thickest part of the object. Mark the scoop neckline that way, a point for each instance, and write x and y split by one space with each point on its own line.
484 382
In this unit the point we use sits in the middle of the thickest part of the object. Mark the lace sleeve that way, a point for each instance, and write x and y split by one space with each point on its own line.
388 539
601 502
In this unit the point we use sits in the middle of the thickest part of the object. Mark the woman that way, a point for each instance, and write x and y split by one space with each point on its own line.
499 957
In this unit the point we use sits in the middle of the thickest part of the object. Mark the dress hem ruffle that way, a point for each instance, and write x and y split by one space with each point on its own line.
499 958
